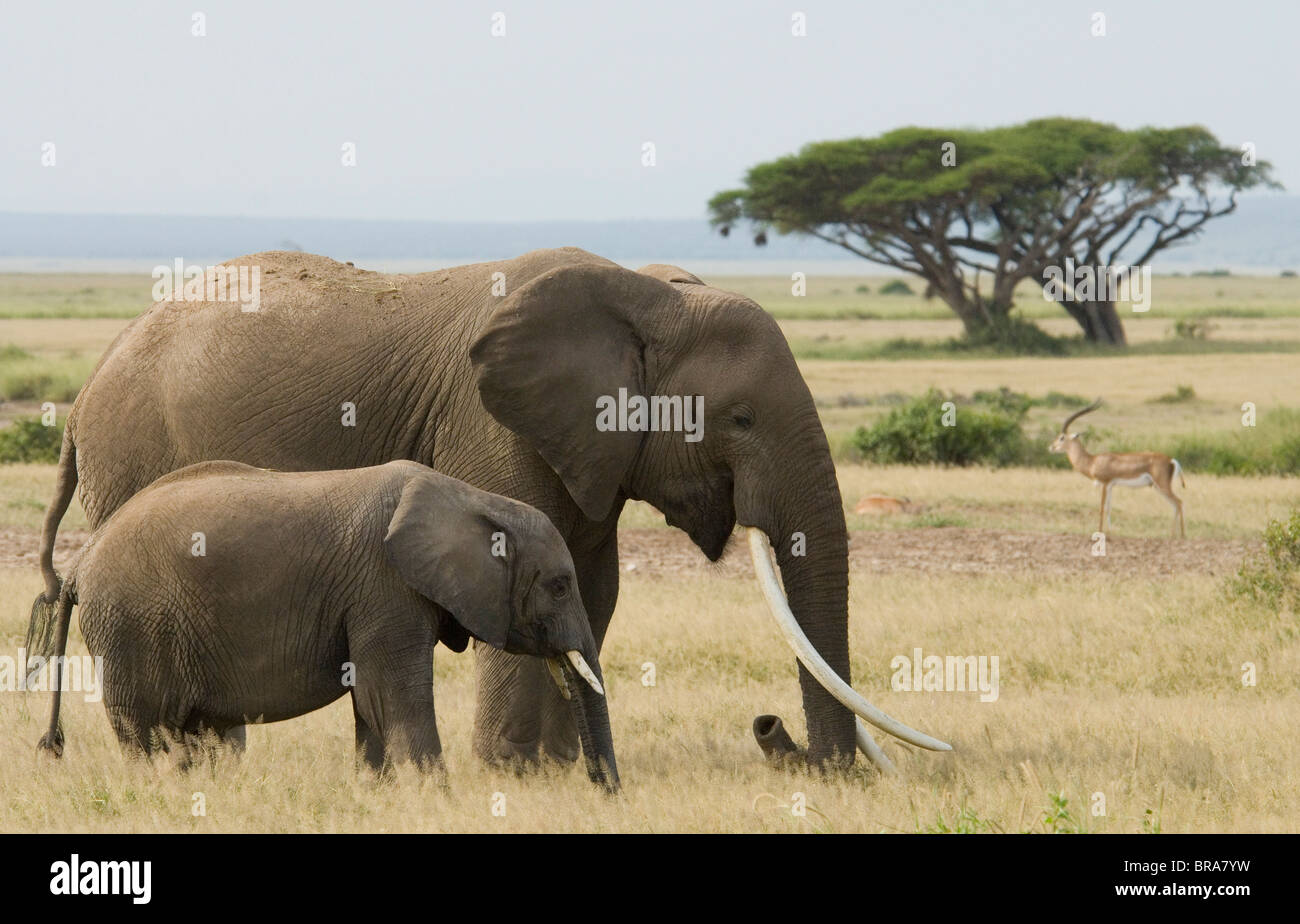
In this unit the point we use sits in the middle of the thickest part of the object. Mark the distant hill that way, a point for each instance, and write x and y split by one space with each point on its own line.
1262 236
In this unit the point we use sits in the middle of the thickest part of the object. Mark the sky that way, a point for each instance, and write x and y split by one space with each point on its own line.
549 121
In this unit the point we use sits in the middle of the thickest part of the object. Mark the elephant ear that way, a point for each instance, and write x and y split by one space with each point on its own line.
440 540
669 273
561 342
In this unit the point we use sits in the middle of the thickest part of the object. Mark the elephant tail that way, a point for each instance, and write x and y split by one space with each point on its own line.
52 740
65 485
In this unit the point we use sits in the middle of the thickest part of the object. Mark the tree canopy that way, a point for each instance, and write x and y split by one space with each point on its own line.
975 212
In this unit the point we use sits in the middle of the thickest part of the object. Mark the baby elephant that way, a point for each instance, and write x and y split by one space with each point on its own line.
224 594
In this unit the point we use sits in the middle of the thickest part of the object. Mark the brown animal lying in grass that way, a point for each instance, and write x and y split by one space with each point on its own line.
884 505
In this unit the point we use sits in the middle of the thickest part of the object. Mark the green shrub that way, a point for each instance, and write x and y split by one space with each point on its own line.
1286 455
1192 329
26 439
1060 399
914 434
1013 403
863 290
1015 336
896 287
1180 395
1272 448
12 351
1272 576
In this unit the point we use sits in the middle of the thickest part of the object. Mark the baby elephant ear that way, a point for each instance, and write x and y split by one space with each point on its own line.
441 540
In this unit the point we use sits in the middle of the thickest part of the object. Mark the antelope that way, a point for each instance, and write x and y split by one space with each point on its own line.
1128 469
883 504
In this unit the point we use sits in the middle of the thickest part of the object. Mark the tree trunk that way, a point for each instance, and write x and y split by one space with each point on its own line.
1100 321
972 318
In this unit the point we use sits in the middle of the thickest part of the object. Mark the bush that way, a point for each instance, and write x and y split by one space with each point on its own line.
1272 577
1016 336
1061 399
1013 403
1192 329
896 287
1272 448
863 290
1180 395
29 440
914 434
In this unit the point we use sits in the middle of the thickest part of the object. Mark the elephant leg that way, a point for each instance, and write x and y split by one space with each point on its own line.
134 732
201 741
370 747
236 739
507 717
597 572
399 725
519 707
393 696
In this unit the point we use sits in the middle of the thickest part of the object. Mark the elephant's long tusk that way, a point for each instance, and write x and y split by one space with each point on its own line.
557 674
584 671
811 659
867 745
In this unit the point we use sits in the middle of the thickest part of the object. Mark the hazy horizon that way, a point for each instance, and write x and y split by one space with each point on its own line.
451 123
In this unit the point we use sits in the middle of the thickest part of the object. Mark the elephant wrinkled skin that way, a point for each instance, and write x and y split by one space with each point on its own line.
223 593
491 373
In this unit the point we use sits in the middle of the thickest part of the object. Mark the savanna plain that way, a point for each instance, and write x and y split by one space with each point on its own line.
1137 691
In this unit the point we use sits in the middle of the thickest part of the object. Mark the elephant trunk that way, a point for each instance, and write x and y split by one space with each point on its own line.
804 520
806 527
816 586
591 716
773 740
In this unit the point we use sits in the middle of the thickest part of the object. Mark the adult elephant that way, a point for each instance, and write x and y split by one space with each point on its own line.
495 374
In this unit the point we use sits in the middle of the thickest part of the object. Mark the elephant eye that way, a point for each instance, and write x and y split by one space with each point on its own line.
743 418
560 588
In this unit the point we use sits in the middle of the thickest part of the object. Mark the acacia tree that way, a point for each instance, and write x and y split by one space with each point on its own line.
974 213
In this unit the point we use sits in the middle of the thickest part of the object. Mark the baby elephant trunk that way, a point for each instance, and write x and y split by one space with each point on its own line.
583 686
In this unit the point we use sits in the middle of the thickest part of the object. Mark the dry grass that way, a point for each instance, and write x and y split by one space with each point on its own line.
1122 685
1139 330
1129 688
25 491
1130 386
1171 296
1042 500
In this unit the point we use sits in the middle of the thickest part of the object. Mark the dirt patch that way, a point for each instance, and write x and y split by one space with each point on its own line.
19 548
667 552
953 549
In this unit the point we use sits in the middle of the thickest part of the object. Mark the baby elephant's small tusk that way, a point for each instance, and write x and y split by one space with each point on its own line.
584 671
557 673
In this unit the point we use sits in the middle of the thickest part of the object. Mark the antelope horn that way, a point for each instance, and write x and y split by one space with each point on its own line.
1065 427
816 665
